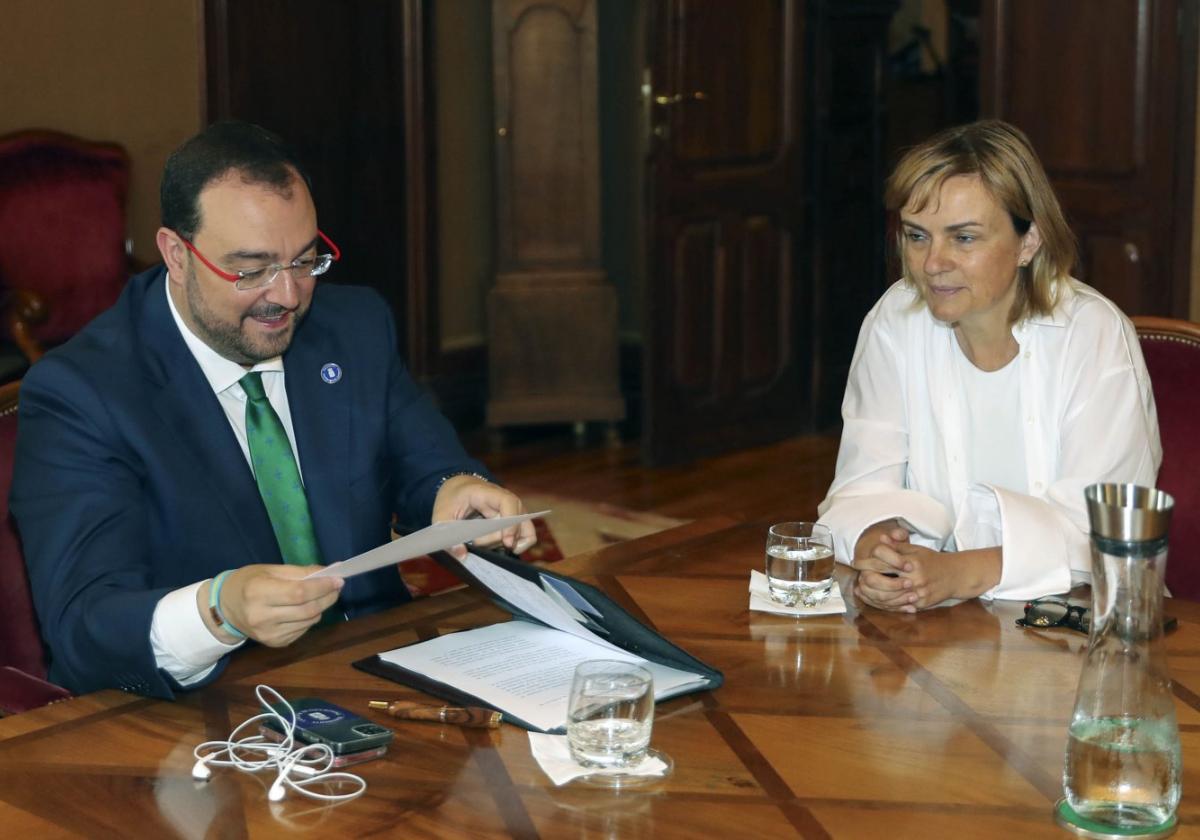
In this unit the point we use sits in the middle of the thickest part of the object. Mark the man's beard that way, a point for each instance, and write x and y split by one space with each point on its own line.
228 339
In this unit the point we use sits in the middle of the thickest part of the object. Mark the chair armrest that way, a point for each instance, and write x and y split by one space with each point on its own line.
20 692
23 310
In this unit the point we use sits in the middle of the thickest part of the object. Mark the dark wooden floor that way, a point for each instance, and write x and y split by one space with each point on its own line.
784 480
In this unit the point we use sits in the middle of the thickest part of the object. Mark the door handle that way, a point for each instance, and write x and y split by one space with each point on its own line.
680 98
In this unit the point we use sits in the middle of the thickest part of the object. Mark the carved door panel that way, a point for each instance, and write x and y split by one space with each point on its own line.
1106 93
727 362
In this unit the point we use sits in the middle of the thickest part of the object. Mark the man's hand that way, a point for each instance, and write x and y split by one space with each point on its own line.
270 603
465 496
908 577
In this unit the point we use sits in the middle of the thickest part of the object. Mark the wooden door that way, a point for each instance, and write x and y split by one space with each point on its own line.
344 84
1106 92
726 361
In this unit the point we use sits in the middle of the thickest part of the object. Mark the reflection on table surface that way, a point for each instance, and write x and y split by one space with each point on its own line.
945 723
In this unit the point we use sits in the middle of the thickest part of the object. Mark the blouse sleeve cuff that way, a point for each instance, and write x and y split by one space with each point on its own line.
848 516
1040 546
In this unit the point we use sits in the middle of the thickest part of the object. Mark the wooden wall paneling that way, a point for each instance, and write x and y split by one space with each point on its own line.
1106 93
849 252
420 196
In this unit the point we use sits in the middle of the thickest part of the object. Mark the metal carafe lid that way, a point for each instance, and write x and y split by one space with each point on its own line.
1128 512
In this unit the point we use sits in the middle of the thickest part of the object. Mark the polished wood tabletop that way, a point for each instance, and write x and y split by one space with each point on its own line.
948 723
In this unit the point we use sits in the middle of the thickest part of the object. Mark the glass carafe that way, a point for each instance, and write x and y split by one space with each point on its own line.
1123 767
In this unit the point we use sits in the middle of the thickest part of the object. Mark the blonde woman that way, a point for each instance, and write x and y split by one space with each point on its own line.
987 389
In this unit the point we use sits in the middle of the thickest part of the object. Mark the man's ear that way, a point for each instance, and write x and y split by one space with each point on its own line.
173 252
1031 242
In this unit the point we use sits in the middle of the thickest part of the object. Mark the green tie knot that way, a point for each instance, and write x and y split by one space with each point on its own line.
252 384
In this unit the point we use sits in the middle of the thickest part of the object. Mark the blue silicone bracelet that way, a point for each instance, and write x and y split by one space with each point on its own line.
214 606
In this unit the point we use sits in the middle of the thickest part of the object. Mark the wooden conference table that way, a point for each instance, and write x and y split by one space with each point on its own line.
950 723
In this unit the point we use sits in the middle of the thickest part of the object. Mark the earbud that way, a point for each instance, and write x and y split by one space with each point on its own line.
201 771
277 792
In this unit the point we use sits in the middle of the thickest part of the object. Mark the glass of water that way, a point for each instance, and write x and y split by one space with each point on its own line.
610 714
799 563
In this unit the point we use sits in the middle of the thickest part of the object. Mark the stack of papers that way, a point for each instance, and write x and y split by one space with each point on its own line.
522 668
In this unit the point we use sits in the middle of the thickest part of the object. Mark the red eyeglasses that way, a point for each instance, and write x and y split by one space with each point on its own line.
257 278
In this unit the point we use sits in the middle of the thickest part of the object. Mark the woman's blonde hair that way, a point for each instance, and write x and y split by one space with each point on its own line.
1000 154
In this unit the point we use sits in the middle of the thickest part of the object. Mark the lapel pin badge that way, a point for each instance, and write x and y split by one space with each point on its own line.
331 373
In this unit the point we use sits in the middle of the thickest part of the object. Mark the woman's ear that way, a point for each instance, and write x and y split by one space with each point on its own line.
1030 243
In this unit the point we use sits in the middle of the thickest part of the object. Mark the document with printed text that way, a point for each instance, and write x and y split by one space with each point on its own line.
524 667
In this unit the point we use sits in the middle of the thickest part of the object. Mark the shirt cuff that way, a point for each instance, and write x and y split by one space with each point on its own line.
183 645
849 516
1041 549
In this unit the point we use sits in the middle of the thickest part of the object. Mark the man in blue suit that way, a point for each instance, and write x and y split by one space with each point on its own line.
157 538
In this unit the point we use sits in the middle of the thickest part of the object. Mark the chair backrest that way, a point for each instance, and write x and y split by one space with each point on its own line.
62 225
1172 351
20 640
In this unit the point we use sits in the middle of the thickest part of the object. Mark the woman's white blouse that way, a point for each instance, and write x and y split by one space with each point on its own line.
992 411
906 439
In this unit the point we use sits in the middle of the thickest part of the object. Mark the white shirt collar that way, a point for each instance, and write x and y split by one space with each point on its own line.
220 372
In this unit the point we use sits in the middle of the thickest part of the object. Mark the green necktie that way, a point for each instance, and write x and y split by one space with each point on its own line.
278 478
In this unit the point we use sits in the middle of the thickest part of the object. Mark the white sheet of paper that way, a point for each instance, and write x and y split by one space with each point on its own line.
438 536
521 668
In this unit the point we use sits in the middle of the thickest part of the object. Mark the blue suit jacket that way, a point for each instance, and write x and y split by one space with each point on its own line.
129 482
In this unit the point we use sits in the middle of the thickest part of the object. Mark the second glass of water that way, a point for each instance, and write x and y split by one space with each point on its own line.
610 714
799 563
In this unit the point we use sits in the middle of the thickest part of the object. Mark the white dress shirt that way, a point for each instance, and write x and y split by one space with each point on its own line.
183 646
1088 416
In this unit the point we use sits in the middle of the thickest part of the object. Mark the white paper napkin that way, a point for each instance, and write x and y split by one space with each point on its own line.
554 757
760 600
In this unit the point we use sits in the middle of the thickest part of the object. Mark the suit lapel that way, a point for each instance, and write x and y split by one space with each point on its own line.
185 403
321 420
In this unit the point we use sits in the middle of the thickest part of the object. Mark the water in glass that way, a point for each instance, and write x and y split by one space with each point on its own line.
799 563
610 714
1123 771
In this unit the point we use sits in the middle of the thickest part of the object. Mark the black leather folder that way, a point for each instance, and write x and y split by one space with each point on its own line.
613 624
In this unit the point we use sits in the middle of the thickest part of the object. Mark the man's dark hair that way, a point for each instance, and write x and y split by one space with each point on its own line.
258 156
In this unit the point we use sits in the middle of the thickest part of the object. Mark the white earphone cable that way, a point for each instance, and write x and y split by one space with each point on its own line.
252 753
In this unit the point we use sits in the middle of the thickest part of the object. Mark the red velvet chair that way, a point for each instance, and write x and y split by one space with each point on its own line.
22 659
62 234
1172 351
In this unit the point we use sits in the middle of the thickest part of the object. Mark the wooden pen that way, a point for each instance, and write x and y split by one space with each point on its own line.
476 716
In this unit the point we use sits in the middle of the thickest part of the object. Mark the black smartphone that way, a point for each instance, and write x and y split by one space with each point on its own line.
343 760
321 722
